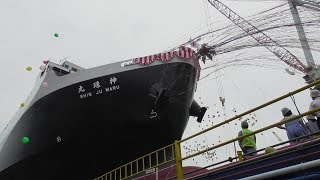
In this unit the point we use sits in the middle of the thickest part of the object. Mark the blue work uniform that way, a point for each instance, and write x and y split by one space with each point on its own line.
294 128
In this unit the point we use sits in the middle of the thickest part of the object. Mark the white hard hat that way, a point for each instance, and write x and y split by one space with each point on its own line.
285 110
314 93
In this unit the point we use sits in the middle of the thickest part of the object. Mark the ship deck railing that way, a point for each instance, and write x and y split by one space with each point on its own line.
232 161
135 168
145 163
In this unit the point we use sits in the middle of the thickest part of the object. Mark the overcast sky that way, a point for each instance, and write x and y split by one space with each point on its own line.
97 32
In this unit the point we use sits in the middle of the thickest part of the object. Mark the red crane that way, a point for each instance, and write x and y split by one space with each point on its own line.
278 50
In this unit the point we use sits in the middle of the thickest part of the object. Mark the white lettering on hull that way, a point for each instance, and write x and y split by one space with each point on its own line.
98 88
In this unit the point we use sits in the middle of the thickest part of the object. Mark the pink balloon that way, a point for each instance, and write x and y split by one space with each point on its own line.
42 67
45 84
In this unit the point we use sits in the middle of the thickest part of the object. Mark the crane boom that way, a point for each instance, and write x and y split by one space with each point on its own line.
278 50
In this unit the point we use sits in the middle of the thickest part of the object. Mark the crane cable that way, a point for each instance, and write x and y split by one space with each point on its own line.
294 102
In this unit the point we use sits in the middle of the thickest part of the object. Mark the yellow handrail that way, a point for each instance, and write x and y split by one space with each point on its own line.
178 161
176 147
254 132
136 162
252 110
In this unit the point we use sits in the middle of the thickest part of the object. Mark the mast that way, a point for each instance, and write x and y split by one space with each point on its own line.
302 36
313 73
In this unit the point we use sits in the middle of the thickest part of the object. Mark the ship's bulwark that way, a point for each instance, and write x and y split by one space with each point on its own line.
84 130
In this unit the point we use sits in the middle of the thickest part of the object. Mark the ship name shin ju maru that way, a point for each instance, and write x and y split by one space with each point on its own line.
83 122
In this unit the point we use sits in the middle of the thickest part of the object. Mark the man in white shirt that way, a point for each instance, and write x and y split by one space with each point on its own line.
311 124
315 96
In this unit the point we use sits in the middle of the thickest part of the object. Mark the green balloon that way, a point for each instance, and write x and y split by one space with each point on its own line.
56 35
29 68
25 140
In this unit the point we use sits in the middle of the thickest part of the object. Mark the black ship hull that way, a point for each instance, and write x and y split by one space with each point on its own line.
86 129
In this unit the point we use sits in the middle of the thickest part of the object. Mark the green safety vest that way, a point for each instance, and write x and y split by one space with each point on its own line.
248 141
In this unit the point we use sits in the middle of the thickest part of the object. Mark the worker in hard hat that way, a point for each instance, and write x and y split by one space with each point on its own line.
315 96
312 124
295 128
248 144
